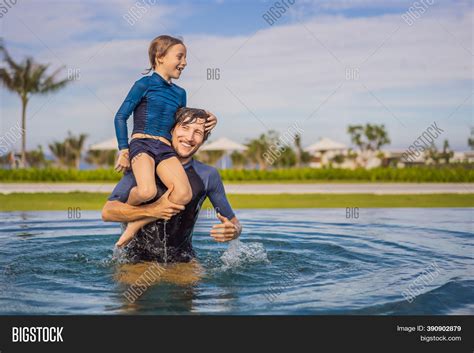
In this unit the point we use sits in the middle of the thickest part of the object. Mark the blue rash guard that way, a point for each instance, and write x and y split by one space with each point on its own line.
154 102
171 241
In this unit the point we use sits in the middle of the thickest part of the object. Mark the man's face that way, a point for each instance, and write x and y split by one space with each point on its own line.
186 139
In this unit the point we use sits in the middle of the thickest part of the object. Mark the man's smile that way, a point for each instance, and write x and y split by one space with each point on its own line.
187 144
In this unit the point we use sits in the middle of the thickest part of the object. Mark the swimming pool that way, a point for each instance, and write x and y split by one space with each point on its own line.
307 261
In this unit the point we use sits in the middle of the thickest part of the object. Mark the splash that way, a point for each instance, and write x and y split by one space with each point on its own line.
239 253
165 242
118 257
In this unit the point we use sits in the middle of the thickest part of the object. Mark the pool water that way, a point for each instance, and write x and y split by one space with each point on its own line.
298 261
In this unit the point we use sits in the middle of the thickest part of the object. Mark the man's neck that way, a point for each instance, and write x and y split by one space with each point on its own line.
185 160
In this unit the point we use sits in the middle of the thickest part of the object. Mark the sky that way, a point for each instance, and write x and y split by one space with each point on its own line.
321 65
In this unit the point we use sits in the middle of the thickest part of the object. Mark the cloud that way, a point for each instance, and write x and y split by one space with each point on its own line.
62 24
406 76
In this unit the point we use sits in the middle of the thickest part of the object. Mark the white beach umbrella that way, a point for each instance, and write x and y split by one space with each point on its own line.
223 144
226 145
107 145
325 144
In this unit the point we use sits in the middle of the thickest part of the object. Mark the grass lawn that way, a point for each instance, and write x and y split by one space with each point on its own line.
95 201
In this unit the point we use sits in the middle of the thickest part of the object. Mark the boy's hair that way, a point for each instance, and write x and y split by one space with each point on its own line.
185 116
159 47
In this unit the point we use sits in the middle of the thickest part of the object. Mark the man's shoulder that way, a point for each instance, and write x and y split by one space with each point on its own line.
204 168
122 189
210 175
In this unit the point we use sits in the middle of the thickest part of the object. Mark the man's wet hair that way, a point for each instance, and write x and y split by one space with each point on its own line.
186 116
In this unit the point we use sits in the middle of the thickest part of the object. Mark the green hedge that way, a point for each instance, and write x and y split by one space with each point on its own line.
412 174
53 174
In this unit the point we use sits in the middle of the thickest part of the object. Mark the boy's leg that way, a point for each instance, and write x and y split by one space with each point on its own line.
171 172
143 167
132 229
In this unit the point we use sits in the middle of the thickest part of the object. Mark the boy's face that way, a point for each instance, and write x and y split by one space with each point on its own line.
174 61
187 138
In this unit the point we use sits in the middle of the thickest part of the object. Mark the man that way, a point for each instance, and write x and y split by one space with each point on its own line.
168 238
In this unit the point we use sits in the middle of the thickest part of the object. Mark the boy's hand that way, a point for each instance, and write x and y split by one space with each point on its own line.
211 122
123 161
226 231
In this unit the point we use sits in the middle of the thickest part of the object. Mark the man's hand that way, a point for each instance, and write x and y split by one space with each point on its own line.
163 208
123 161
226 231
211 122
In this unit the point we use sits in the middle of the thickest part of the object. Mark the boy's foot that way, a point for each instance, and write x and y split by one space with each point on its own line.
127 235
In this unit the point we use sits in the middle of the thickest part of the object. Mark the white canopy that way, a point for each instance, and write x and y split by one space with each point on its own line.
223 144
325 144
107 145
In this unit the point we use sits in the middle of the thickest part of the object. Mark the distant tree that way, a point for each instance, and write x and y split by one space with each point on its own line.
269 150
338 159
369 137
447 154
238 160
305 158
210 157
258 149
75 145
59 151
287 158
26 79
432 153
302 157
351 154
5 159
36 158
298 150
470 140
101 158
68 153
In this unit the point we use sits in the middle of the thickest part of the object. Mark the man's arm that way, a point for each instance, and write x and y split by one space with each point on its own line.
116 211
163 208
230 227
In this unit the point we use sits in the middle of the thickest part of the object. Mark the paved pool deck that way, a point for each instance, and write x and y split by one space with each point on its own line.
318 188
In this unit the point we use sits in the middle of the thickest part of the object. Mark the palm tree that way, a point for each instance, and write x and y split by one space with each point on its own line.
210 157
299 150
447 154
369 138
302 157
25 79
238 160
36 158
287 158
74 146
59 151
256 150
101 158
432 154
470 140
68 153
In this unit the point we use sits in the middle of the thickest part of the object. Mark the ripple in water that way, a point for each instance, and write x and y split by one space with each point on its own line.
311 261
